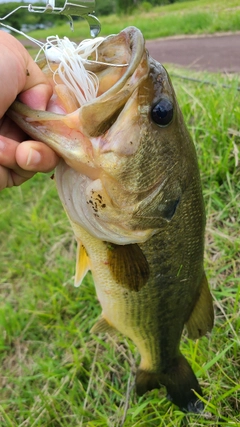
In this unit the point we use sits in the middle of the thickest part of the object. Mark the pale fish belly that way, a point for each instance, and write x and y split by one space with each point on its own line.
130 313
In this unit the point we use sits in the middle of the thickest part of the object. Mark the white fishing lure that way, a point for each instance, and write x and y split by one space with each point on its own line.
71 59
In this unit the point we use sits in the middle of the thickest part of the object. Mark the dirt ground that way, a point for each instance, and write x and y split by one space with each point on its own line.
211 53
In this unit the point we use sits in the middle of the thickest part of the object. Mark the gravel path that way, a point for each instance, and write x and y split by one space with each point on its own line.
212 53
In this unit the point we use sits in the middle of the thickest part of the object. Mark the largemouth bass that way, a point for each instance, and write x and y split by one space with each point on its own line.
130 185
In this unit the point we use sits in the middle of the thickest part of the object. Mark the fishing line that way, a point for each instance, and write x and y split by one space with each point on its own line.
207 82
37 42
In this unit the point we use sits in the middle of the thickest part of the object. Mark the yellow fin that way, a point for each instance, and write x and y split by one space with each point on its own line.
102 326
82 264
201 319
128 265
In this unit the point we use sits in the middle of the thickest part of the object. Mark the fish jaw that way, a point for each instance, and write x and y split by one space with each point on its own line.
50 128
75 135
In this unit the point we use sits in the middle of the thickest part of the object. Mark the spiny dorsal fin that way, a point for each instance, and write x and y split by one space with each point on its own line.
128 265
82 264
201 319
102 326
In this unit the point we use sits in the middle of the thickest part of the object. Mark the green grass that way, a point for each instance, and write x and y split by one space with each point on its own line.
53 372
191 17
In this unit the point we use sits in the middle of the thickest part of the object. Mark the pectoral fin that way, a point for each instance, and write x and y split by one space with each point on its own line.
82 264
128 265
201 319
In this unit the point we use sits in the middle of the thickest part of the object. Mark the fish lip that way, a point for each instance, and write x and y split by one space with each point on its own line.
136 41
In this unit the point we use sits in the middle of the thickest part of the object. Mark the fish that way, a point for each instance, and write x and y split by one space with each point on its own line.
129 182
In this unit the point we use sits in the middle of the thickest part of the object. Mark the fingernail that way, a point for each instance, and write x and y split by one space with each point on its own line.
34 158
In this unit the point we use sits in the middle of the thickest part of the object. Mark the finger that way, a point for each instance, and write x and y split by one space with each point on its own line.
10 130
23 74
36 157
5 178
9 178
8 149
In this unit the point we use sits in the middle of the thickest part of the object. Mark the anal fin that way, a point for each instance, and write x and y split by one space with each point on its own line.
82 264
128 265
202 317
102 326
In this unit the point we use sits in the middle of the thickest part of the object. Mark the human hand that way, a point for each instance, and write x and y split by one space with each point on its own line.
20 159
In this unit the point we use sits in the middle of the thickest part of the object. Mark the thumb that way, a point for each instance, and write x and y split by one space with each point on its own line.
20 74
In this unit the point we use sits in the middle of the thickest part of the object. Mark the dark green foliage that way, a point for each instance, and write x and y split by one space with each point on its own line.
126 6
105 7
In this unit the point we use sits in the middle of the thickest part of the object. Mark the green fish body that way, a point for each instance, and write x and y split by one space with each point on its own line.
130 185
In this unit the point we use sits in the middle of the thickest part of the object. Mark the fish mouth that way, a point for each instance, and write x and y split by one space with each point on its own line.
120 64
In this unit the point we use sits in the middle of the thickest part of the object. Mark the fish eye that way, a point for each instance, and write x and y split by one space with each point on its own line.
162 112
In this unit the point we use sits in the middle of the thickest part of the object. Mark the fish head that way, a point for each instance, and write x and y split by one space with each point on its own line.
123 146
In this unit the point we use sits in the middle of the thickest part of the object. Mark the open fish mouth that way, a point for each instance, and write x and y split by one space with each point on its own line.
92 84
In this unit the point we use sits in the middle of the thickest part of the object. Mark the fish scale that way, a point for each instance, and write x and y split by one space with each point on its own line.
130 185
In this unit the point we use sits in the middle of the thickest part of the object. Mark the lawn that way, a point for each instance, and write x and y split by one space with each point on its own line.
53 372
